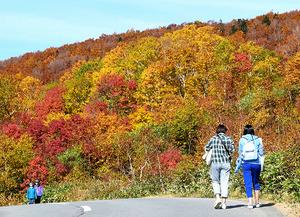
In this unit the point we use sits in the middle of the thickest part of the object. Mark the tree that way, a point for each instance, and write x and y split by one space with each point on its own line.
8 97
184 128
52 103
14 158
292 76
131 59
29 90
266 20
117 93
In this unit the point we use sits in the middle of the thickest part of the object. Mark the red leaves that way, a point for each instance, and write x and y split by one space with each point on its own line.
60 135
12 130
50 141
61 169
91 153
170 158
53 102
243 62
37 169
117 92
96 107
81 129
37 130
132 85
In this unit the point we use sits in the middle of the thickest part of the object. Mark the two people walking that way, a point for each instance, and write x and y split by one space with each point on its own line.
250 151
34 192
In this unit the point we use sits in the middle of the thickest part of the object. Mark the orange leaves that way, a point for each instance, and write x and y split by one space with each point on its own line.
298 105
292 70
243 63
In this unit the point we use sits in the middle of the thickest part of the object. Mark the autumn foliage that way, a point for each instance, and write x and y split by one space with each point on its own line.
143 104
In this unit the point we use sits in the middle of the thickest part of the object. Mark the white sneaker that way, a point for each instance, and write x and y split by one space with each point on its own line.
224 206
257 205
218 204
250 206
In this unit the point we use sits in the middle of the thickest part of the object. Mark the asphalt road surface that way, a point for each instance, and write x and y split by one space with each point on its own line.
145 207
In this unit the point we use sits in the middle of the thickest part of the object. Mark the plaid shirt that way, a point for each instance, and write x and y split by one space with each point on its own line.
219 154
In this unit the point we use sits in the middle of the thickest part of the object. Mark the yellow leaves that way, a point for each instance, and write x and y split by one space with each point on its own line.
168 108
9 102
80 83
66 76
30 84
131 59
153 87
29 89
107 125
113 58
267 66
191 58
56 116
265 72
262 117
14 158
140 118
78 93
250 48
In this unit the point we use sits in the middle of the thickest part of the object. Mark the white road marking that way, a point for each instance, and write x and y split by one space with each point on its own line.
86 208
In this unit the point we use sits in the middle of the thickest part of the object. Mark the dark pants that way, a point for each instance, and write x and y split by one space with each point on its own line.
38 199
251 177
31 201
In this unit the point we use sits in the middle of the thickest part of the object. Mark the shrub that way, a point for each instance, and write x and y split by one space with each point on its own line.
281 174
189 178
14 158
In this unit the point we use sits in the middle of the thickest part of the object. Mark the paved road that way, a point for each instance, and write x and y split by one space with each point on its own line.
146 207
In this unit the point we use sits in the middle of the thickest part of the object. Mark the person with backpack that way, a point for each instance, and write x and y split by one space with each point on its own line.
251 153
39 191
31 194
221 147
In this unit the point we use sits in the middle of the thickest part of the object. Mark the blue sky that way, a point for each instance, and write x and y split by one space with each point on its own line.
33 25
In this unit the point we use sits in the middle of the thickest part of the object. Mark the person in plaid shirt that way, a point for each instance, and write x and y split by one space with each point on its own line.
222 148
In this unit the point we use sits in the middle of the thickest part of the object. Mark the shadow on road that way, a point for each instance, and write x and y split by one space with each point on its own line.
235 206
243 205
267 204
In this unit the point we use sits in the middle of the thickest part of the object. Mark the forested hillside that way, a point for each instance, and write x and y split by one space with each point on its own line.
279 32
50 64
133 120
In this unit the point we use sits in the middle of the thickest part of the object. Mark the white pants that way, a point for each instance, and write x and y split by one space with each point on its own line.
219 174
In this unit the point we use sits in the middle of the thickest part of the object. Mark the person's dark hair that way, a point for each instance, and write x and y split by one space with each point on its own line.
221 129
248 129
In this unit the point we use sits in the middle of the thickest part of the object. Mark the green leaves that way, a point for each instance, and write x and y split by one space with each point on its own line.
280 176
185 127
